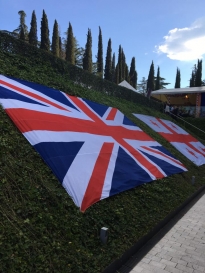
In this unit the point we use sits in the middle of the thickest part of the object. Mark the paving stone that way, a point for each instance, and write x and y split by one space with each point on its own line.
152 268
137 269
196 267
173 269
178 261
170 263
185 268
155 258
145 260
181 250
158 264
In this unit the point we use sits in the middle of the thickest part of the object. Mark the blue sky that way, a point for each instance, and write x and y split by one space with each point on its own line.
169 32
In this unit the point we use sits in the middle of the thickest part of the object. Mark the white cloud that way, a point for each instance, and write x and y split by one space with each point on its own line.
185 44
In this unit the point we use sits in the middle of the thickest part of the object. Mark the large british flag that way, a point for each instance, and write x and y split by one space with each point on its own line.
178 137
93 149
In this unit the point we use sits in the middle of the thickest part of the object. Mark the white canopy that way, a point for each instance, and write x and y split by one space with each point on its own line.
187 90
127 85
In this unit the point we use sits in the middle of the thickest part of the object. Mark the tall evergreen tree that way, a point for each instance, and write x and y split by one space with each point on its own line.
70 45
55 40
60 48
33 38
178 79
108 62
198 80
45 41
113 67
117 74
133 73
157 82
100 55
22 29
150 80
87 58
120 63
192 80
123 66
134 80
126 76
193 77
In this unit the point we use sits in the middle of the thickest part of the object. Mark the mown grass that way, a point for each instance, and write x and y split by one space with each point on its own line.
41 230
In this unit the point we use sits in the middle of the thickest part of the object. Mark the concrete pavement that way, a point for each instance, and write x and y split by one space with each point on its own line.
180 250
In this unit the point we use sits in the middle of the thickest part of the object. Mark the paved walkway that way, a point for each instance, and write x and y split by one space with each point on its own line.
182 249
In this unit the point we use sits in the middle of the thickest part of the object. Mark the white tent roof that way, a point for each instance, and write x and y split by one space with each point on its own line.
127 85
187 90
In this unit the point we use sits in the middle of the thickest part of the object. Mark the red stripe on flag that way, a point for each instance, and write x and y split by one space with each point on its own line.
83 107
166 126
178 138
112 114
174 136
32 95
164 155
195 149
141 159
28 120
94 189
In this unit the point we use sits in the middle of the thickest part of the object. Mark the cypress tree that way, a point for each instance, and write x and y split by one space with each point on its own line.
113 67
55 40
100 55
133 73
198 80
87 58
150 80
178 79
60 48
45 41
70 45
108 62
126 76
157 84
123 66
117 74
193 77
120 63
192 80
33 38
135 80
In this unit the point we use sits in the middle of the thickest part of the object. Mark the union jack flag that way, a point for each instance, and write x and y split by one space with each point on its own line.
178 137
94 150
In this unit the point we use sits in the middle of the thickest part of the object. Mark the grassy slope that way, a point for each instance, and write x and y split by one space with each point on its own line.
41 229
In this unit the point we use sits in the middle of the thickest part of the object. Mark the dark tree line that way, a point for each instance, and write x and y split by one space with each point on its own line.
69 50
196 75
153 82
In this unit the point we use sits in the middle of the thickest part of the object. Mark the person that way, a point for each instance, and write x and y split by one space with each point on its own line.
175 112
167 109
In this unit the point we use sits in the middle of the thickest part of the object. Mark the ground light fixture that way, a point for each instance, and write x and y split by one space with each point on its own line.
193 180
104 235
